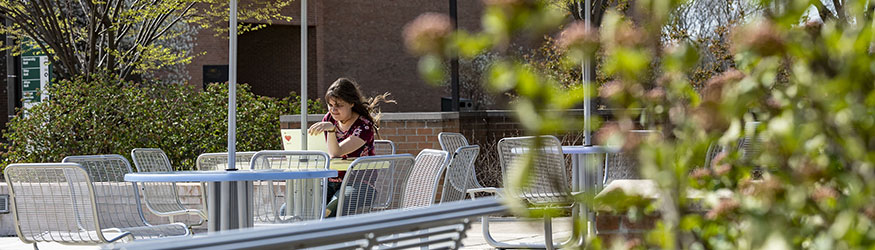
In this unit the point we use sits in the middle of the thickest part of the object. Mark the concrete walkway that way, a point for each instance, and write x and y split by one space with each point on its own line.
515 232
503 230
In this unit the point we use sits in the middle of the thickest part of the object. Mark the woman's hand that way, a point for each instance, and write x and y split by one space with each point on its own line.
320 127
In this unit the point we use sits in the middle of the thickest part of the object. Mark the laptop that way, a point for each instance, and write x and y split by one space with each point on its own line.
292 140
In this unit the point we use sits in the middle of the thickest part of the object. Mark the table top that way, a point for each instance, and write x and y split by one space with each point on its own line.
589 149
340 164
221 175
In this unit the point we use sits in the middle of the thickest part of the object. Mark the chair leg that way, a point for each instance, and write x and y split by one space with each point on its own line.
548 232
494 243
35 247
579 231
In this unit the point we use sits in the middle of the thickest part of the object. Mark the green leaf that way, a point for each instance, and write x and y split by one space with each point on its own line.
432 69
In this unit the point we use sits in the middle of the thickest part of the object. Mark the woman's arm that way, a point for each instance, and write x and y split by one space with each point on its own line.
345 147
336 149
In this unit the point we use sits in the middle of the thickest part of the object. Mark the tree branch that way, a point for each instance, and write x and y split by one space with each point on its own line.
840 10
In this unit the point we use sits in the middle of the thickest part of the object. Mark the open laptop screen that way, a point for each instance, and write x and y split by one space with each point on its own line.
292 140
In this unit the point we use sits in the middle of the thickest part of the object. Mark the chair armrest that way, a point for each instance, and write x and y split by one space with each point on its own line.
642 188
491 190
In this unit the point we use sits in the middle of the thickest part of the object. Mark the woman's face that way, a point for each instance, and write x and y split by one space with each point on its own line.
340 110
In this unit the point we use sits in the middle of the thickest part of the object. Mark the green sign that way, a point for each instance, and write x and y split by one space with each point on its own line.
35 74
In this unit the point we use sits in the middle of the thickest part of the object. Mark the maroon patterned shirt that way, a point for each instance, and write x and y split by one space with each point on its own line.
362 128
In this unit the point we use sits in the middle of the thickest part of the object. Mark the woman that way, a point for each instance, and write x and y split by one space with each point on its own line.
349 129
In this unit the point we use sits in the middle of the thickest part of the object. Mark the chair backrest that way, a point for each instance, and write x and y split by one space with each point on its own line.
751 144
623 165
53 202
547 179
371 183
714 149
451 141
219 161
457 180
162 198
748 146
422 183
290 160
384 147
117 201
151 160
291 200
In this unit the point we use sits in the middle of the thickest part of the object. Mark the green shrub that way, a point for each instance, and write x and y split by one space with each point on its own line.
106 117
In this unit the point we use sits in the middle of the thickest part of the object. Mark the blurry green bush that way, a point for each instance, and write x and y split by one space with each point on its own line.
103 116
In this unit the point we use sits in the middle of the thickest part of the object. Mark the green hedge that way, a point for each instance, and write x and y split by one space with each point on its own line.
108 117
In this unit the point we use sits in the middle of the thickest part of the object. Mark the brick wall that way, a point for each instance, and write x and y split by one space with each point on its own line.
355 39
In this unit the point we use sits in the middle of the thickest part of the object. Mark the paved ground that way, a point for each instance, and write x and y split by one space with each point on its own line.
513 231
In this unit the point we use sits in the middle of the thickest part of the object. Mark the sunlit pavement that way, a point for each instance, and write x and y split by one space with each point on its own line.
502 230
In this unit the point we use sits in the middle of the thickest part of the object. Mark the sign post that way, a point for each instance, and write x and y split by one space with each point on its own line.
36 73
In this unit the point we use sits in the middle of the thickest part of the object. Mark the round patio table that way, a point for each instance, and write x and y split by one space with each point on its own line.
583 177
223 213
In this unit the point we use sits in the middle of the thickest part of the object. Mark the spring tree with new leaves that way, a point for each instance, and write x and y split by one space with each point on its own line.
124 38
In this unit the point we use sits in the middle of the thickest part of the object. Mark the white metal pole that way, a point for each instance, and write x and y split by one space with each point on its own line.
304 74
232 86
587 131
590 177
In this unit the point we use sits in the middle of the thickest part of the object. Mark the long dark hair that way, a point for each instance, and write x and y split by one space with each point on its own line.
348 90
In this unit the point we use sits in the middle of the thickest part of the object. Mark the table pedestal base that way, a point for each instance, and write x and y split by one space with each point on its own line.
229 204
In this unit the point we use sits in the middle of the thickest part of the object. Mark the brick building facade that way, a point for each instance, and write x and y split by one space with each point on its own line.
356 39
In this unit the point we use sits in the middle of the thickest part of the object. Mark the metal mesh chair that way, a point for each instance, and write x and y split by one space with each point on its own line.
161 198
623 165
371 183
384 147
291 200
80 204
219 161
547 184
450 142
216 162
422 183
620 166
751 146
457 181
713 150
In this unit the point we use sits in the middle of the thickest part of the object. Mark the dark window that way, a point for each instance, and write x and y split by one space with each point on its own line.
215 73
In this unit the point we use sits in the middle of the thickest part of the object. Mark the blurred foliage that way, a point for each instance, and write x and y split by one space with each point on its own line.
103 116
549 59
803 91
